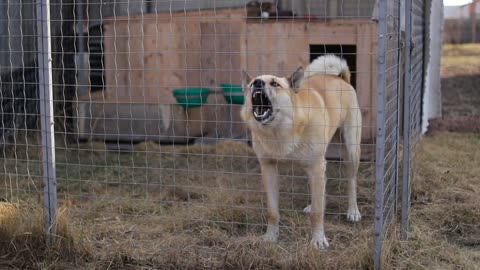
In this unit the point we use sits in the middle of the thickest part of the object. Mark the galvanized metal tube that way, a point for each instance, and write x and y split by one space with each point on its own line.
406 122
380 137
46 116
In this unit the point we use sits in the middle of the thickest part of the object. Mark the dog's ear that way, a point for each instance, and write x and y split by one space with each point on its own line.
246 78
296 79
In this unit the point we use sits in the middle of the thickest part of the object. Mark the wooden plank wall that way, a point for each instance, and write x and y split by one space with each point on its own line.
146 57
367 44
280 48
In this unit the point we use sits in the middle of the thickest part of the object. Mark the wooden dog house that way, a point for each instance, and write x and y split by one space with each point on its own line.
148 56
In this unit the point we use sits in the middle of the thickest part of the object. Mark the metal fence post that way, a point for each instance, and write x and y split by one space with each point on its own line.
380 137
406 121
399 118
46 115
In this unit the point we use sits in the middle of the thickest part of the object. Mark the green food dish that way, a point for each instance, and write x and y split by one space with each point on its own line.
191 97
233 93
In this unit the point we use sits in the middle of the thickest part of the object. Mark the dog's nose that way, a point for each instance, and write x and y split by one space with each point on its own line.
258 83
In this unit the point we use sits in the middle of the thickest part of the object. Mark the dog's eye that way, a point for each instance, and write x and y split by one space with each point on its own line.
274 84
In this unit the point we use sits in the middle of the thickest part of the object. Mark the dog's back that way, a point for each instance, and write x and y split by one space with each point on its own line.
329 76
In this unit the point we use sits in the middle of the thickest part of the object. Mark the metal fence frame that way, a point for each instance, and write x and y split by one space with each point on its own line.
412 90
415 65
406 123
380 140
391 50
47 117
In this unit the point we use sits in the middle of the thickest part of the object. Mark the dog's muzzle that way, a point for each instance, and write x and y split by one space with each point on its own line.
261 105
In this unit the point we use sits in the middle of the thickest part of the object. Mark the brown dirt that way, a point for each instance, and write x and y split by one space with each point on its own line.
464 124
461 80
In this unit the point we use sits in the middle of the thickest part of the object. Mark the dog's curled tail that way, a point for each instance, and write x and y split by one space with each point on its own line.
329 64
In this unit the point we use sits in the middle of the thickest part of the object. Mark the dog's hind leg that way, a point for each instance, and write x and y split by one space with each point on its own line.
270 184
351 134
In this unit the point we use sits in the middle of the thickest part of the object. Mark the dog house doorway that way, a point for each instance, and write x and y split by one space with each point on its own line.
347 52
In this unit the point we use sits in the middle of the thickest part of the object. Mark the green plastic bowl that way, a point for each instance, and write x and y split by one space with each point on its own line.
233 93
191 97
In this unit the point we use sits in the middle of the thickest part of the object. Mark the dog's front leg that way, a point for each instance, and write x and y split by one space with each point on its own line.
270 184
317 186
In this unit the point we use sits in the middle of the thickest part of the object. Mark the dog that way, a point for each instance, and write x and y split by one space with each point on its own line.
295 118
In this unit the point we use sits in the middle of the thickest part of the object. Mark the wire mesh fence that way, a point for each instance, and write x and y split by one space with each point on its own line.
388 106
414 81
136 107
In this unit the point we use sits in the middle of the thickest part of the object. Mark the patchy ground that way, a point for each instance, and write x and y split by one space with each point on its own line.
121 226
201 207
461 80
460 90
445 214
191 207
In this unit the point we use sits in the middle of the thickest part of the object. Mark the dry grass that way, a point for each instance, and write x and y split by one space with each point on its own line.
201 207
445 216
116 227
194 207
210 213
460 59
23 239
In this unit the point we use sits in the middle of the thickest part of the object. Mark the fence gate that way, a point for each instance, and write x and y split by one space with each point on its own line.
125 116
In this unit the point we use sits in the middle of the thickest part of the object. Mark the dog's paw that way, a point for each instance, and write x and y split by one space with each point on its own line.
319 241
271 235
353 214
307 209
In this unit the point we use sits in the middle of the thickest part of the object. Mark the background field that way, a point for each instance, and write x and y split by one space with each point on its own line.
199 207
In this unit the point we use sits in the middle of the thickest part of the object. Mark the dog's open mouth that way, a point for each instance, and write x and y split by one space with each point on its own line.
261 106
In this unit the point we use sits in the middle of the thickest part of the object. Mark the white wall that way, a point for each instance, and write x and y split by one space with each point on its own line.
432 98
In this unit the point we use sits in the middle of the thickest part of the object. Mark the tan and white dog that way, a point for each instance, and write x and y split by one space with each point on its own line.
295 119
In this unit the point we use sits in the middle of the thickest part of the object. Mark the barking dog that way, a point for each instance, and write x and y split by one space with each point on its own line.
295 118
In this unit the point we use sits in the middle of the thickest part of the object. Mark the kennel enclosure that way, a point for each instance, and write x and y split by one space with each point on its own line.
215 46
90 85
